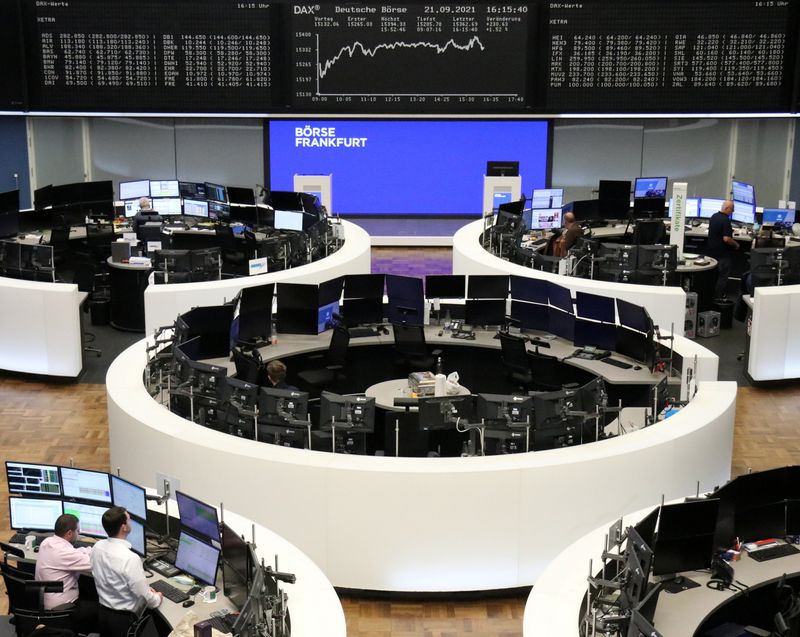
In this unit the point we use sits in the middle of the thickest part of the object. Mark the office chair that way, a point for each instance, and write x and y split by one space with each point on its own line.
514 357
86 277
232 251
333 372
249 367
412 352
59 241
147 232
26 602
546 372
649 232
98 241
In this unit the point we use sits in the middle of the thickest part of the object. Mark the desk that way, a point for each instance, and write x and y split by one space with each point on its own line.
384 393
774 350
128 283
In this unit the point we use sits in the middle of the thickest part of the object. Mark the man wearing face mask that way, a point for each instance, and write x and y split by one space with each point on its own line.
59 560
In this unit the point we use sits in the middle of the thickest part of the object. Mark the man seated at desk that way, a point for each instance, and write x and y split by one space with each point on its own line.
119 576
145 215
561 241
60 561
276 375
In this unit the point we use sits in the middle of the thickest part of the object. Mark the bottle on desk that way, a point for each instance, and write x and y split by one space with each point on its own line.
274 333
439 366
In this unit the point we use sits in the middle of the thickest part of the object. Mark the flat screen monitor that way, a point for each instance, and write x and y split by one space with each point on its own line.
609 189
164 188
134 189
167 206
43 197
485 312
559 297
255 312
636 345
406 299
594 334
650 188
34 514
549 408
646 527
241 196
298 308
542 219
742 192
685 538
32 479
195 208
90 516
235 569
283 407
9 201
561 324
130 496
634 316
354 412
198 559
710 207
131 207
137 538
692 208
364 286
743 212
325 320
547 198
198 516
504 409
285 200
288 220
192 190
595 307
760 502
218 210
9 224
525 288
442 412
530 316
445 286
502 169
215 192
83 484
487 286
773 216
357 312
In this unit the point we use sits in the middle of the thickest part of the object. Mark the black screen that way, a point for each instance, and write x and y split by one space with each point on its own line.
633 316
487 286
445 286
12 79
525 288
594 306
685 536
363 286
590 333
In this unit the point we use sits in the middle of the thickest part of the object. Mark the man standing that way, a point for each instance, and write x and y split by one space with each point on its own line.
119 576
59 560
721 246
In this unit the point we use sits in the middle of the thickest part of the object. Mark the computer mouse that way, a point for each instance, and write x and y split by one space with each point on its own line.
187 603
637 367
35 549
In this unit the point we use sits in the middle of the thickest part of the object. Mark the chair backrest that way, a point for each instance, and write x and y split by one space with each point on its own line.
84 277
225 238
18 595
409 340
147 233
247 368
337 350
546 371
27 620
649 232
769 242
59 236
514 354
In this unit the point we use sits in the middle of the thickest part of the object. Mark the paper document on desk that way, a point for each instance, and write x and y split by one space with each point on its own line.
185 627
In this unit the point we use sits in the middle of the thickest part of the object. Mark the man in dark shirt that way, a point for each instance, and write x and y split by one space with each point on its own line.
560 243
722 245
276 375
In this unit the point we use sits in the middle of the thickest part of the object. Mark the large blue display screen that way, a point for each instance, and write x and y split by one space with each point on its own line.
406 167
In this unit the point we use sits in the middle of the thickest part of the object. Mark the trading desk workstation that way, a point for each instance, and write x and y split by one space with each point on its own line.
725 563
345 509
261 583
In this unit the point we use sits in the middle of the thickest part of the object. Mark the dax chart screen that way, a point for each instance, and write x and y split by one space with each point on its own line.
401 56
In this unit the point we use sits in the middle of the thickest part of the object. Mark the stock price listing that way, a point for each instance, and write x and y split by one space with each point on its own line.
409 57
669 56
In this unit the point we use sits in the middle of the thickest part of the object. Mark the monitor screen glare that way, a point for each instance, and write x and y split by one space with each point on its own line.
650 187
134 189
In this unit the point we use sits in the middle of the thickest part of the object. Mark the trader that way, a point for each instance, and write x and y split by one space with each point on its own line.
276 374
560 243
60 561
721 246
146 214
119 576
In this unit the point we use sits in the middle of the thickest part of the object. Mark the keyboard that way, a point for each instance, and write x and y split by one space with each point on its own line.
221 623
169 591
17 538
774 552
616 363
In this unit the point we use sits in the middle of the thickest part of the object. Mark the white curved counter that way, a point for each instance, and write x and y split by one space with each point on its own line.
774 352
422 524
163 303
666 305
40 328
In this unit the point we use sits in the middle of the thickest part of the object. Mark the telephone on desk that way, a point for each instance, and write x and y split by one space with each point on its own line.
458 331
590 353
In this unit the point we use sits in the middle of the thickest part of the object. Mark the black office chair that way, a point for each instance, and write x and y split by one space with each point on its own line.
649 232
249 366
769 242
514 357
412 352
59 240
147 232
86 277
98 241
233 254
333 371
26 602
546 372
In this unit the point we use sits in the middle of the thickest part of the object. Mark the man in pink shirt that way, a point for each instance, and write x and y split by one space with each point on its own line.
59 560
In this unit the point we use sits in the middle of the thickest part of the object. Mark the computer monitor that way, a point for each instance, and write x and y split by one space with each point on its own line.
165 188
445 286
485 312
241 196
595 334
553 424
646 527
235 569
561 323
709 207
658 257
134 189
620 255
692 208
777 216
742 192
198 559
357 312
213 325
325 320
255 313
354 412
288 220
525 288
638 563
761 503
215 192
547 198
9 224
542 219
131 207
137 538
641 621
219 210
504 409
34 514
166 206
530 316
443 412
240 393
9 201
487 286
192 190
650 188
130 496
685 538
559 297
298 309
502 168
173 260
83 484
283 407
609 189
743 212
285 200
32 479
198 516
594 306
406 299
634 316
90 516
636 345
364 286
195 208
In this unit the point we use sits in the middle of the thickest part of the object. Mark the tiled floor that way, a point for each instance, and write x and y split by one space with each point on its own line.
412 261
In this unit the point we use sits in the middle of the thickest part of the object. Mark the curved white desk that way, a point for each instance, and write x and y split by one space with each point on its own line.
40 328
422 524
163 303
774 352
666 305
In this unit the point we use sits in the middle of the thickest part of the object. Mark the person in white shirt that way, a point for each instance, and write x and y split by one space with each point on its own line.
119 576
59 560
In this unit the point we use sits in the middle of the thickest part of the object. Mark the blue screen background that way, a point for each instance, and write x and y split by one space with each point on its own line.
410 167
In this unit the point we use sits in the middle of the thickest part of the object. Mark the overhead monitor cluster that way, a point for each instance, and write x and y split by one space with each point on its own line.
225 56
